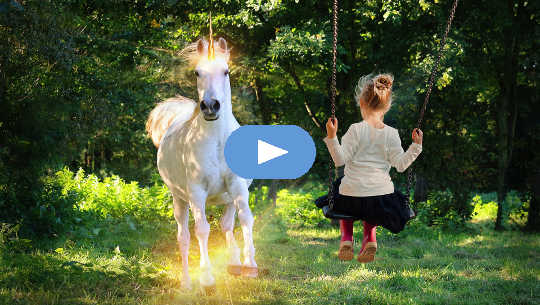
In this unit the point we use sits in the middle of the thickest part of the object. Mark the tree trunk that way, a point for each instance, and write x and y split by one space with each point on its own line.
272 191
533 217
266 113
266 117
507 109
502 165
420 189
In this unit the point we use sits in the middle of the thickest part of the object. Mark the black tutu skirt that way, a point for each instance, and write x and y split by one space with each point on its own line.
391 211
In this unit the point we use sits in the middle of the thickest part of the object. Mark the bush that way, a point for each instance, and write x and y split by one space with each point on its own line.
10 242
259 198
514 207
64 199
298 208
42 210
112 197
55 207
443 208
485 207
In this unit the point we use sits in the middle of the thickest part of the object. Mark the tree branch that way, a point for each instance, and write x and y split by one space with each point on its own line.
266 114
296 79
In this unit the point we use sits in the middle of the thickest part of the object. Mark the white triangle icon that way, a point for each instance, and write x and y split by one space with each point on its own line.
267 152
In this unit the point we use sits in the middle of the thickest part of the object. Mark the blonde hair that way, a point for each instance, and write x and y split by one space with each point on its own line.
374 92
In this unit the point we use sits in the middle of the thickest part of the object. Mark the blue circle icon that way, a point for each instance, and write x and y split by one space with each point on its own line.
270 151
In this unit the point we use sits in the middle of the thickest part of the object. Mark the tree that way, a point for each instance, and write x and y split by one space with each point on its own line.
504 59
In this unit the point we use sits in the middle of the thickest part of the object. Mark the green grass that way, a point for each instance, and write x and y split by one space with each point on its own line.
127 262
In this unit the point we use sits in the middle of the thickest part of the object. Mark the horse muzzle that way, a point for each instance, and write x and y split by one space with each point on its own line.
210 109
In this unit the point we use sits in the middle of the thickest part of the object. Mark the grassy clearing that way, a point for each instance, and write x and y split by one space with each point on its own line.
129 262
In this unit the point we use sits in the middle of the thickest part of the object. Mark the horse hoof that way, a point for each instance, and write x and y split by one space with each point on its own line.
208 290
250 272
235 270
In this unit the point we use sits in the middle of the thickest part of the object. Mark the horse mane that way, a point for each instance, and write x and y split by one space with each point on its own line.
192 56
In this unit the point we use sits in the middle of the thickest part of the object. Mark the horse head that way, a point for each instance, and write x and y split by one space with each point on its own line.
212 73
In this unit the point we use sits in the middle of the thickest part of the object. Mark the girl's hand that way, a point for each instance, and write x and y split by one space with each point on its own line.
417 136
331 127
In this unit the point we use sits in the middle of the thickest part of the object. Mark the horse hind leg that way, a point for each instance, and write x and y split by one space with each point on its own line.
234 266
181 214
240 195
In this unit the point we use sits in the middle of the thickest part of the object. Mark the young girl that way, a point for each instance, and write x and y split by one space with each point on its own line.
368 150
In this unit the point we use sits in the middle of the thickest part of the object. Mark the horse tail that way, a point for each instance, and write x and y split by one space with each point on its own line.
177 109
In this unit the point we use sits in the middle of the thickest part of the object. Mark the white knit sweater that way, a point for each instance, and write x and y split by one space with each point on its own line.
368 153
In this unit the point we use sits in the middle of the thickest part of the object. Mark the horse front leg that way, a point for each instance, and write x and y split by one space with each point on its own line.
181 214
202 229
234 266
240 194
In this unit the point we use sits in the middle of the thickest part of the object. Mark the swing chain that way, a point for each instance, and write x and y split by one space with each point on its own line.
333 99
334 59
435 69
434 73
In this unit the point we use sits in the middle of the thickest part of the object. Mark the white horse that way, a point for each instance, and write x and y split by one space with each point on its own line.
191 138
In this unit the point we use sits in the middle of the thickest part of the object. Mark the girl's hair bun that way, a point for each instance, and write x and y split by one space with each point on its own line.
375 92
383 81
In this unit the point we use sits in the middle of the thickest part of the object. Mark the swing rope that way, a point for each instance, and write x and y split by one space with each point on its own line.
333 100
434 73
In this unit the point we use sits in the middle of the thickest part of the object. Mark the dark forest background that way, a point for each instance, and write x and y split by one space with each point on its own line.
79 78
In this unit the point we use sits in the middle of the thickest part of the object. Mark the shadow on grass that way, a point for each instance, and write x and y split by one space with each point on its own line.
41 278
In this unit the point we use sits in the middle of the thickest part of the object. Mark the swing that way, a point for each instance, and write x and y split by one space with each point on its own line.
328 209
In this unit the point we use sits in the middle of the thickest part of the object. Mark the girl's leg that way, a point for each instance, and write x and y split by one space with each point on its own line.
370 232
346 252
369 244
346 227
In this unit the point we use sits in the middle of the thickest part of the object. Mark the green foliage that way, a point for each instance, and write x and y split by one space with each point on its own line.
10 240
258 198
46 210
74 89
514 206
56 208
484 207
298 207
294 45
442 208
78 79
112 197
67 199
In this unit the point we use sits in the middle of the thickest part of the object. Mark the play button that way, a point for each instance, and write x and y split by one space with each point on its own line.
266 151
269 151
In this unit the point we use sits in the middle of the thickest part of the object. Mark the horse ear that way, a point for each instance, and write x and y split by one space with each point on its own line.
222 43
201 46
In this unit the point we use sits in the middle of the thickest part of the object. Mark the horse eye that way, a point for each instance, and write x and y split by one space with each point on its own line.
226 72
197 73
